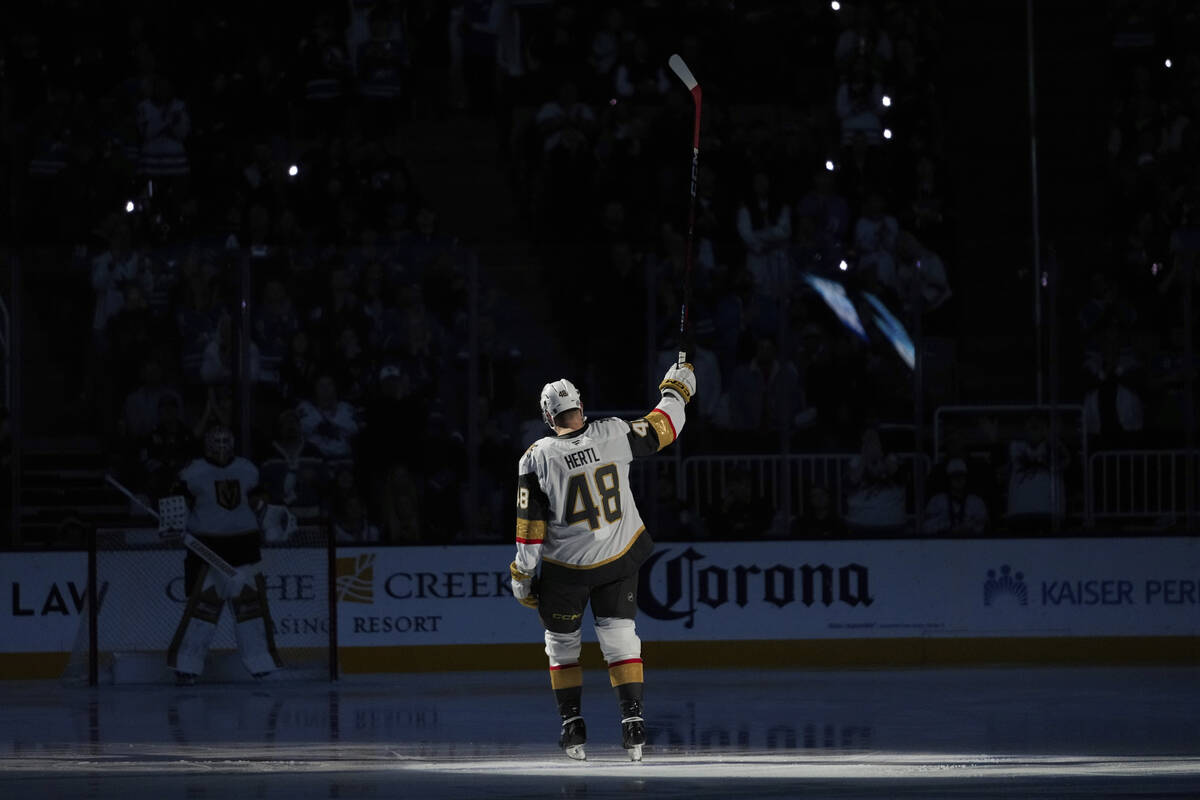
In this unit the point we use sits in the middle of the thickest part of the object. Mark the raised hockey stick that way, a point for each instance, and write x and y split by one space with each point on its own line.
189 541
681 69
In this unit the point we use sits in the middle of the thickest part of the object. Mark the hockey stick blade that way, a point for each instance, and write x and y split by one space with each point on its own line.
189 541
681 69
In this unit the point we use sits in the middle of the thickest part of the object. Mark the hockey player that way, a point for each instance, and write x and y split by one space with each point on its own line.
577 519
221 490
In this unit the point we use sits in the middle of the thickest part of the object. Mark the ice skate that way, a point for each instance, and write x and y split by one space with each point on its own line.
573 737
185 678
633 729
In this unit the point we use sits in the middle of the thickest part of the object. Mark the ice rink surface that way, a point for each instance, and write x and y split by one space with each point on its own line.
1012 733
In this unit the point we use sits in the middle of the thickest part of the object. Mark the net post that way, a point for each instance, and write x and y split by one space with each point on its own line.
93 614
331 567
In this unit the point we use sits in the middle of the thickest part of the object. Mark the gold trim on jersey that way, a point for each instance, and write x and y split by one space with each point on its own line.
531 530
598 563
625 673
662 426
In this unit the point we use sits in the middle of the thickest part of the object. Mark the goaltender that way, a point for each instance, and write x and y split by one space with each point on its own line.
217 499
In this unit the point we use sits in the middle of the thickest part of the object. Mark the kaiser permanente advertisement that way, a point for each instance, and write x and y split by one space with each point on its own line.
697 591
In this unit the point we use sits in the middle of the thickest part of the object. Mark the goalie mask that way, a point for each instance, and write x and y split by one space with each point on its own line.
559 396
218 445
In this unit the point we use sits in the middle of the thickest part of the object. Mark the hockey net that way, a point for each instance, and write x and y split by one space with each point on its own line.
140 598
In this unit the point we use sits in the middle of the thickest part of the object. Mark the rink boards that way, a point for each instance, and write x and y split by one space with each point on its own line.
866 602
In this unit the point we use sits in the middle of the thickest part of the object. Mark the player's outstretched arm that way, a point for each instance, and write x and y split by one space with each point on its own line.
663 425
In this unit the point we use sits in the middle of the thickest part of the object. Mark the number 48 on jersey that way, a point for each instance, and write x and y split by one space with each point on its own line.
581 501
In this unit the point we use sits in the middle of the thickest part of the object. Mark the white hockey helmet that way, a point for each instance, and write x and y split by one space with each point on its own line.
559 396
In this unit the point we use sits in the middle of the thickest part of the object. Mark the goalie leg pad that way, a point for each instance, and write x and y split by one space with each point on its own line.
254 629
208 606
195 631
249 604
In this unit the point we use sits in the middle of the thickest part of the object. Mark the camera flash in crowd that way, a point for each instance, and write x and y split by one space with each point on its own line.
129 206
293 170
843 266
887 133
829 166
887 101
1167 63
835 5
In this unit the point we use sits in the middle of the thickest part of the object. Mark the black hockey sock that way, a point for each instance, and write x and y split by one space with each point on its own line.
574 731
629 692
569 701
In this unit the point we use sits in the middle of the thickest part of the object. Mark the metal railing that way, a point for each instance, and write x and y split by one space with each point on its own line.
1149 485
1007 423
707 478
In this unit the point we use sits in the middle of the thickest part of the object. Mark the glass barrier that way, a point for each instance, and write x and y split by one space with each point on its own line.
389 390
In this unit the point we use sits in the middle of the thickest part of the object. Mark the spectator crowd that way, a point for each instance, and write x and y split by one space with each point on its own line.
253 250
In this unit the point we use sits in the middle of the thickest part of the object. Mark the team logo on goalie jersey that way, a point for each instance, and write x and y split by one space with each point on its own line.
229 493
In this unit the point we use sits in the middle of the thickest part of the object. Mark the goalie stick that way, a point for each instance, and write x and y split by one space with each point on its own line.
189 541
681 70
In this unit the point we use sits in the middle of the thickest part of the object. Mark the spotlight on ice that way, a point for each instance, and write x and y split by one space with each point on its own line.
129 206
829 166
887 133
843 266
886 100
293 170
1167 63
835 5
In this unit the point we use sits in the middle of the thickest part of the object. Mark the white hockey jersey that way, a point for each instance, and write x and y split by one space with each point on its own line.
221 506
574 504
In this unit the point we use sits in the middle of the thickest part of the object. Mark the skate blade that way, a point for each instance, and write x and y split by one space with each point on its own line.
635 753
576 752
